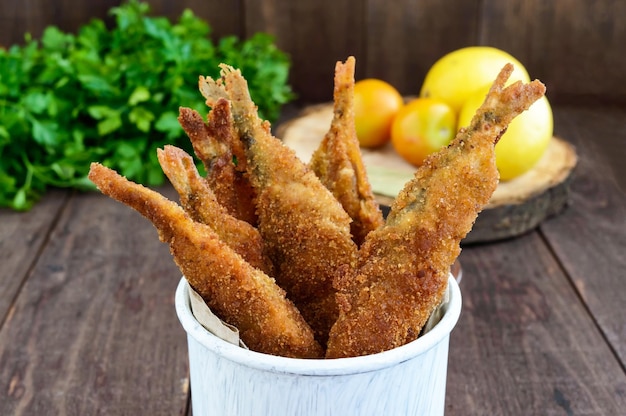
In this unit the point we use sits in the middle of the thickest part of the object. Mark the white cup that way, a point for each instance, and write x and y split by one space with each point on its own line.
227 380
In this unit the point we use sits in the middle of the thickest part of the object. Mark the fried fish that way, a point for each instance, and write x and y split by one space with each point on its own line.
305 229
238 293
198 200
338 163
217 145
402 269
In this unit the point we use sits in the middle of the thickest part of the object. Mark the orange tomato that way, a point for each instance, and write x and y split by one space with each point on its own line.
375 105
421 127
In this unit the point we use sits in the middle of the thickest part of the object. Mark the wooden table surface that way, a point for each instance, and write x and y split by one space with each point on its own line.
87 320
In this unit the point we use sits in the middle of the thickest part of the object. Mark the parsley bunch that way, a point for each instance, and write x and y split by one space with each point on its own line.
112 95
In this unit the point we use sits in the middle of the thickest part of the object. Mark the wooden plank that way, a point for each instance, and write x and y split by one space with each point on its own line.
316 34
18 17
525 344
224 17
94 330
404 38
22 235
396 41
590 237
574 46
598 132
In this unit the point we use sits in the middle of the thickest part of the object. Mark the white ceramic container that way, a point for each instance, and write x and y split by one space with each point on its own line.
227 380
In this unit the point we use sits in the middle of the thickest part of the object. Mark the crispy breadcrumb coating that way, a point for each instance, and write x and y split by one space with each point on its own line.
305 229
198 200
403 266
238 293
338 163
217 145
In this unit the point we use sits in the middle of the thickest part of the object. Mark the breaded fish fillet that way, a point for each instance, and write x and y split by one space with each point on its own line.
237 292
217 145
198 200
305 229
403 266
338 163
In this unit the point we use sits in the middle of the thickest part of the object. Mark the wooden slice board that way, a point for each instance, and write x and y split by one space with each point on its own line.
517 206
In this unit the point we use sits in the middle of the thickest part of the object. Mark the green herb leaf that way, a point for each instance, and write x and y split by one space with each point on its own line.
112 95
140 94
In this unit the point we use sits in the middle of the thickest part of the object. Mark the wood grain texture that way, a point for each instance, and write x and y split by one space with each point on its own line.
404 38
525 344
224 17
594 254
93 331
23 236
574 46
316 34
18 17
541 332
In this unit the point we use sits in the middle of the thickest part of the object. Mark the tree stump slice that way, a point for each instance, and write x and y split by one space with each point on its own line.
516 207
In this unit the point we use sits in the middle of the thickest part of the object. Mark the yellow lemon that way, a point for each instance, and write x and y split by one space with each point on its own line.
525 140
461 73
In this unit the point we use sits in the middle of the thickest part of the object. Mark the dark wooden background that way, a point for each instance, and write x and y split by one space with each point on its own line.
82 273
576 47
